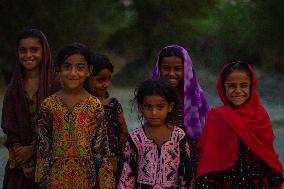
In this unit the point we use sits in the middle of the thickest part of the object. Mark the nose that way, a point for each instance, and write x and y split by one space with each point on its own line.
73 70
171 72
106 84
238 89
154 111
28 53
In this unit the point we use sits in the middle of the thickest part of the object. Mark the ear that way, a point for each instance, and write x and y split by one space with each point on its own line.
90 70
171 106
140 107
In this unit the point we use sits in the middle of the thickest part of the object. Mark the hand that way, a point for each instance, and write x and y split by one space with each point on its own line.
24 153
29 172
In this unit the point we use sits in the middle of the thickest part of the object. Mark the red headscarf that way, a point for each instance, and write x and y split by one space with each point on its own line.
15 112
225 127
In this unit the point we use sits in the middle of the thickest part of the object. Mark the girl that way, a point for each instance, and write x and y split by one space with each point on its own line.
30 84
72 147
157 154
98 84
237 141
175 65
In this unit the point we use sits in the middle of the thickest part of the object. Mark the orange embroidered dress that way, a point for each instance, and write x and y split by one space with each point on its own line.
72 148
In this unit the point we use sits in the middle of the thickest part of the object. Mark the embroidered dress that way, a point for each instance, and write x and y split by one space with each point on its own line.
147 166
237 146
248 173
73 149
116 134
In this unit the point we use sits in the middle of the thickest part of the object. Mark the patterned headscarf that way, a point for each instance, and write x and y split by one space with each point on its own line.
15 113
195 103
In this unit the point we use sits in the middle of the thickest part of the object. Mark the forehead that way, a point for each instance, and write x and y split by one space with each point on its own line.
237 76
172 61
29 41
154 99
104 73
76 59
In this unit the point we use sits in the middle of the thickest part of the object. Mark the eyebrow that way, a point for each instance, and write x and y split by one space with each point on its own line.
245 82
79 63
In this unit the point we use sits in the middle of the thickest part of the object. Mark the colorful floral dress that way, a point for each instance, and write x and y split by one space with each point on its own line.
72 148
147 166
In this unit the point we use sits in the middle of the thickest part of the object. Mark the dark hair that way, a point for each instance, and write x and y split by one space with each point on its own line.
100 62
30 32
235 66
168 52
150 87
71 49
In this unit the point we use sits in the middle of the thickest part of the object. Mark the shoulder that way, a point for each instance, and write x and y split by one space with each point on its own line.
94 105
113 102
178 133
214 114
137 135
94 101
49 101
215 121
136 131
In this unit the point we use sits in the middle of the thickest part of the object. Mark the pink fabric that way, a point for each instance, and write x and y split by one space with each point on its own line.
158 172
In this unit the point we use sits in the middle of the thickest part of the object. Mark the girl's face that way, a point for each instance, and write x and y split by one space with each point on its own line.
73 72
99 83
155 109
30 53
172 69
237 87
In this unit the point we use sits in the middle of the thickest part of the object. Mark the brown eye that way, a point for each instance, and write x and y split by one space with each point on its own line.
165 68
178 69
81 68
21 50
34 50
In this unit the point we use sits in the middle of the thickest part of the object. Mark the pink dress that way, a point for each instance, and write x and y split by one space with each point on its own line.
147 166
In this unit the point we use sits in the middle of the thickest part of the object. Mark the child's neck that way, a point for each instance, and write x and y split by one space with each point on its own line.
104 98
180 94
72 97
32 74
160 134
31 82
73 92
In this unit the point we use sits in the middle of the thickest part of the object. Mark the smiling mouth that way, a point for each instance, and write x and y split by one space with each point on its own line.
238 98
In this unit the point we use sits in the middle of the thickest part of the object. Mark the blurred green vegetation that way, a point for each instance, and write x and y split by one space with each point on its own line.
213 31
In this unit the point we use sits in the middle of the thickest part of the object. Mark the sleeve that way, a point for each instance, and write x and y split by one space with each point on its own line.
44 147
100 149
129 171
186 168
8 123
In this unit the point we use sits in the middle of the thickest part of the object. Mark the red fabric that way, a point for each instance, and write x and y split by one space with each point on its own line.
224 128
